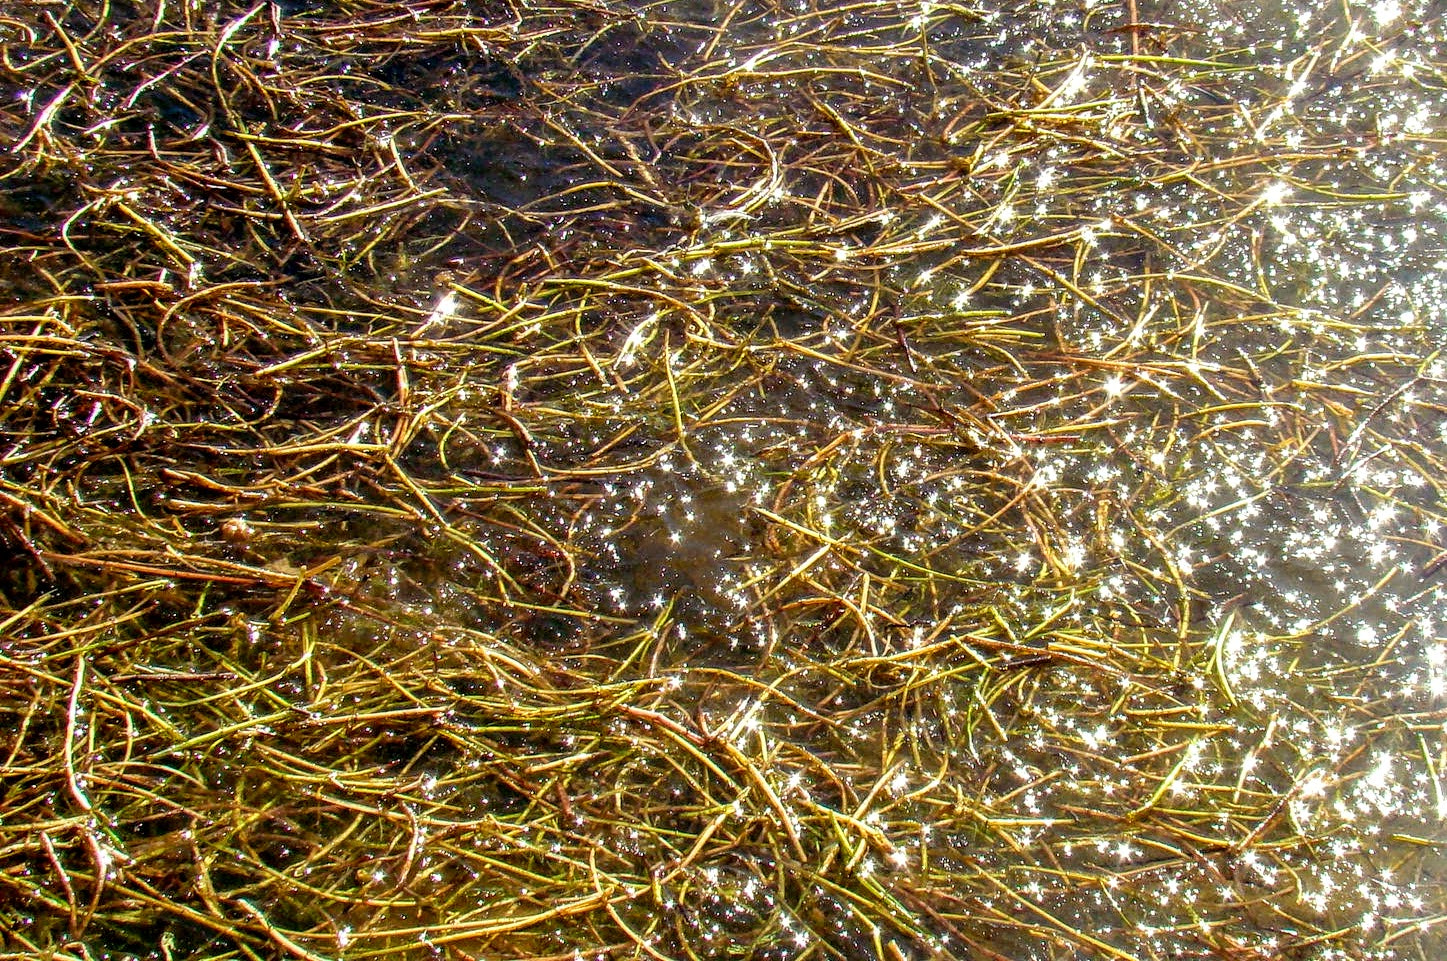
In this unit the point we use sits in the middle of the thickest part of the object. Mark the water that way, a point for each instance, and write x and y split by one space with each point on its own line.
1154 493
816 481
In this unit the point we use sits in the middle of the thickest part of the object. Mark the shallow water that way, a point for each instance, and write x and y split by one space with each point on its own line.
1215 472
822 482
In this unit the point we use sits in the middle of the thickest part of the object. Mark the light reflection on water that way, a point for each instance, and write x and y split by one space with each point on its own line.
986 465
1201 450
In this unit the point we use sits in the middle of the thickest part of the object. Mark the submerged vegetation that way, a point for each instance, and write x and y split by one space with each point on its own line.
752 479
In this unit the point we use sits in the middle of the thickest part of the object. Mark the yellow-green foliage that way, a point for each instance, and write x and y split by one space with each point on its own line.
695 480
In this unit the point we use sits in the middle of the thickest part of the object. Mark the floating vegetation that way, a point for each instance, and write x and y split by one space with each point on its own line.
694 480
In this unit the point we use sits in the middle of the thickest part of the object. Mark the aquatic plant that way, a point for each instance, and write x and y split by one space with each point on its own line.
680 480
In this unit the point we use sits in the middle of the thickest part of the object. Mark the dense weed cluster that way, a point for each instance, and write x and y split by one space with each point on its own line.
692 480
